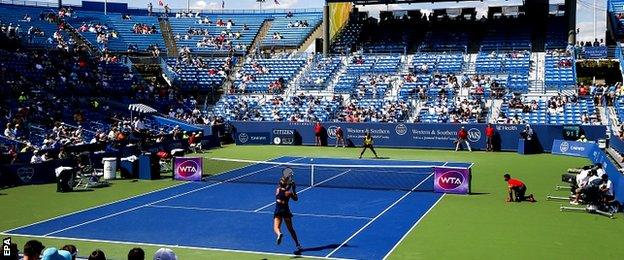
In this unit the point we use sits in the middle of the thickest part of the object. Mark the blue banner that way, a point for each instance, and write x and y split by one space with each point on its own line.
572 148
243 138
409 135
599 52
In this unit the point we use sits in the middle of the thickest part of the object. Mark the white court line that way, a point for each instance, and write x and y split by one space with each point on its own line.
445 163
414 226
113 202
95 207
259 212
302 191
169 246
159 201
378 215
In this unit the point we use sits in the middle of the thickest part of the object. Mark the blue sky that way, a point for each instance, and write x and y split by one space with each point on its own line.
585 10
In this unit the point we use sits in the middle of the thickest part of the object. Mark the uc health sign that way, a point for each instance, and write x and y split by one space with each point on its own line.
187 168
451 180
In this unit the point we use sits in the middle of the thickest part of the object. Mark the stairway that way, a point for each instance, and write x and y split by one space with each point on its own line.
257 41
470 66
536 73
342 69
170 43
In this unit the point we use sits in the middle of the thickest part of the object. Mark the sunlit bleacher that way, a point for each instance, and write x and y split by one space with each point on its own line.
292 35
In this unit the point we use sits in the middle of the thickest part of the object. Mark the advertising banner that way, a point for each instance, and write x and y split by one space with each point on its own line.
187 168
451 180
243 138
283 136
580 149
409 135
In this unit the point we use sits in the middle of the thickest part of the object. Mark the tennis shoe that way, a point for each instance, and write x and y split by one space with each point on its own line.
279 238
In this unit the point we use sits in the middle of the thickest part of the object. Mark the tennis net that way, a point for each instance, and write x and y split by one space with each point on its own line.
308 173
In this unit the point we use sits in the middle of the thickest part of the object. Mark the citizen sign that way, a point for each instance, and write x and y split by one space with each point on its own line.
243 137
474 135
400 129
451 180
331 132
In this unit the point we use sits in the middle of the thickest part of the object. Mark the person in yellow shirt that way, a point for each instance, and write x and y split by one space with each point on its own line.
368 143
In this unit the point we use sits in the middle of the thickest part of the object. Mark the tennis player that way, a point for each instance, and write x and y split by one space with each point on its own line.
285 191
368 143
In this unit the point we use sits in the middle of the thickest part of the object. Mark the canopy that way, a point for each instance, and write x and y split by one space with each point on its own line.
141 108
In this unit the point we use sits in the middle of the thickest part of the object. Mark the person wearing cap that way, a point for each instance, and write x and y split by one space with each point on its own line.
462 137
165 254
32 250
36 157
55 254
517 189
368 144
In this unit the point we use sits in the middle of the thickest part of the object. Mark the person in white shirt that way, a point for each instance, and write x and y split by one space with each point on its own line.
599 170
36 158
8 132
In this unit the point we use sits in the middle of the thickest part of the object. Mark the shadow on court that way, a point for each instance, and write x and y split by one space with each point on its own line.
479 193
319 248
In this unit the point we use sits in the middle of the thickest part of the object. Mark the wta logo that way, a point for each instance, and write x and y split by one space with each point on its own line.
331 132
450 180
188 168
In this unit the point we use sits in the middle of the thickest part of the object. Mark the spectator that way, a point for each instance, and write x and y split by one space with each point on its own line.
165 254
70 248
32 250
97 255
582 139
55 254
517 190
462 137
136 254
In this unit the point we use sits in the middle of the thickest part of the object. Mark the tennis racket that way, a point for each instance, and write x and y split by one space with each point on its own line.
289 175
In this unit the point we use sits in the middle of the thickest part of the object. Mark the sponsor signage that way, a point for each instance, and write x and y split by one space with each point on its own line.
188 168
422 135
451 180
283 136
581 149
243 138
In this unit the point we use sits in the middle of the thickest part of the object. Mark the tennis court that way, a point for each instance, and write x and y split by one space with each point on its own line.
346 210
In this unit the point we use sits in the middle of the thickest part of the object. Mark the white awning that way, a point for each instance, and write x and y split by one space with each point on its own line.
141 108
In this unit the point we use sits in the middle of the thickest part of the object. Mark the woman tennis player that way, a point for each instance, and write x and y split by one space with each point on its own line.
368 143
285 191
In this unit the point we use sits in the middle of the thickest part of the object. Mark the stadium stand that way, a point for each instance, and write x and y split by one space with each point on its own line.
292 30
266 75
216 34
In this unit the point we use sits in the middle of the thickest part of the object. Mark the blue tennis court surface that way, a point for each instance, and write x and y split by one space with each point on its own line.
354 223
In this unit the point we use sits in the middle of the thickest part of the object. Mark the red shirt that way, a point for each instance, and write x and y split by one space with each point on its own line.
489 131
514 183
317 128
462 134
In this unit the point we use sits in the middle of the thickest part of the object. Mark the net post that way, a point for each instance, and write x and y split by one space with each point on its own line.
311 175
